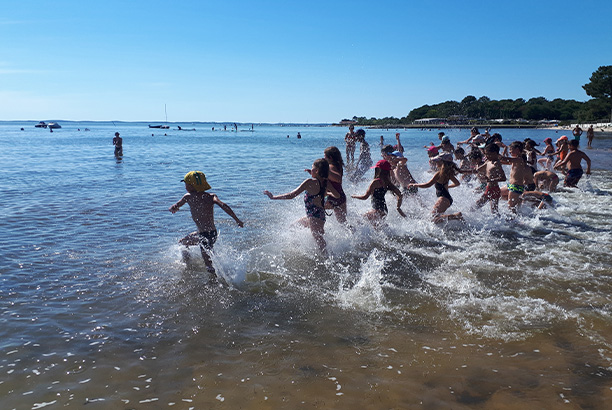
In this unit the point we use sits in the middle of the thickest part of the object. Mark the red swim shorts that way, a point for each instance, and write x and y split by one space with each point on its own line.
492 192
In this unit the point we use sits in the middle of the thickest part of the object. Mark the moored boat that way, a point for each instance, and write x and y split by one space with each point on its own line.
54 125
41 124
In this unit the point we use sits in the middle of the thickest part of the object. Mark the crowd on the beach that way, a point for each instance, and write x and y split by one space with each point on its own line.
477 162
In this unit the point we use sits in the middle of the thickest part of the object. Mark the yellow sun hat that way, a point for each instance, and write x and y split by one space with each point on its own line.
197 180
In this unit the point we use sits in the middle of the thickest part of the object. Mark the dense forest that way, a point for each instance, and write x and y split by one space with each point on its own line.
483 109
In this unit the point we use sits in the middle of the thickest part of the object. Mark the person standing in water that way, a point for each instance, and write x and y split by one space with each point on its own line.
365 158
590 136
577 132
118 143
350 139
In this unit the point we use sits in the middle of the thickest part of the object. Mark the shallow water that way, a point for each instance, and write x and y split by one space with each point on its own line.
97 308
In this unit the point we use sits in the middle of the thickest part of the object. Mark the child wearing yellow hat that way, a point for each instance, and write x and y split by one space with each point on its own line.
201 204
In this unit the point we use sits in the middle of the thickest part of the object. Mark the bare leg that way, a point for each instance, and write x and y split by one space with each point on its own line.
340 212
495 206
514 199
441 205
317 227
448 217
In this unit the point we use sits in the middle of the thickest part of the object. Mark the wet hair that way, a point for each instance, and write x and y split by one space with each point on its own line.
387 149
476 155
574 143
360 131
448 169
384 175
475 130
335 157
493 138
521 146
518 144
460 150
322 166
492 148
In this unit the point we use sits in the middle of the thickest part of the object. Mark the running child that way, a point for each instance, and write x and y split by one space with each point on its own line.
202 204
377 190
447 172
547 180
365 159
492 174
336 170
549 155
314 189
573 164
519 173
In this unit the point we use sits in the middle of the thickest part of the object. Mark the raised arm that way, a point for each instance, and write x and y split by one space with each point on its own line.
400 148
289 195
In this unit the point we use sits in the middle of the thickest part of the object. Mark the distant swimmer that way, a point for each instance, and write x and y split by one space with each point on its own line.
299 136
202 204
118 143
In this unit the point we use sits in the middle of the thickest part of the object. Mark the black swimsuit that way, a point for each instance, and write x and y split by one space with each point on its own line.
442 191
378 199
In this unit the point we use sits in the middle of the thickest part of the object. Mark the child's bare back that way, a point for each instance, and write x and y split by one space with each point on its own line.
201 206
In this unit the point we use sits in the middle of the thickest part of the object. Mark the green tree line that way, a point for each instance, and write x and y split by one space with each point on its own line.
535 109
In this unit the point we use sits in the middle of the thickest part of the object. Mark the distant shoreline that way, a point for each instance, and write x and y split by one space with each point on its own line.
598 130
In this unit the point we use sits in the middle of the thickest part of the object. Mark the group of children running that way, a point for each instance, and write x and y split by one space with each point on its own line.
484 164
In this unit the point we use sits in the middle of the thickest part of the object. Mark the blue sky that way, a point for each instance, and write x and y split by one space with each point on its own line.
282 61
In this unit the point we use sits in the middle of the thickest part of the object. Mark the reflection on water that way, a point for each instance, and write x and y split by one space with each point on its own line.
97 308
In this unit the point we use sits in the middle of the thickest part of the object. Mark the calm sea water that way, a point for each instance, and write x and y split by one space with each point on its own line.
97 308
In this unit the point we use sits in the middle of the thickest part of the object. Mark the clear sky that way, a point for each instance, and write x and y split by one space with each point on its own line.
288 61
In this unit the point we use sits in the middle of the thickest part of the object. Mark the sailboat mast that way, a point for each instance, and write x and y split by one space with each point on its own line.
166 112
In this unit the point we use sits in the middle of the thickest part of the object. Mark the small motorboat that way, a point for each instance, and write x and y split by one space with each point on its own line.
155 126
41 124
54 125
